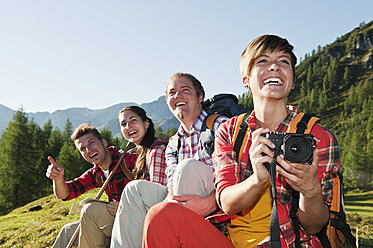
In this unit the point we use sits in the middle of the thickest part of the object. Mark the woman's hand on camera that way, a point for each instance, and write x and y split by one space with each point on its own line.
302 177
260 153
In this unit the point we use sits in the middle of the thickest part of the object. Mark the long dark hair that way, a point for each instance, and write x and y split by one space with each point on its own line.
146 142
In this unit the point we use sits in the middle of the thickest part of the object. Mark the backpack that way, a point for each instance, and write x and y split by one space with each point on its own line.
336 233
220 104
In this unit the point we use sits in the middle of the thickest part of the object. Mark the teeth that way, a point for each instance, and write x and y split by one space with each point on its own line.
133 132
180 104
276 81
94 154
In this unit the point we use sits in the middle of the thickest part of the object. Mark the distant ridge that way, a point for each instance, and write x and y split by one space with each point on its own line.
101 118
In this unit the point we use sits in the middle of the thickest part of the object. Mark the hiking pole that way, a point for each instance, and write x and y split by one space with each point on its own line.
99 194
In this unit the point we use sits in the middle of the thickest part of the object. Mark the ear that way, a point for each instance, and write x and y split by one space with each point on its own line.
147 124
245 81
104 142
200 99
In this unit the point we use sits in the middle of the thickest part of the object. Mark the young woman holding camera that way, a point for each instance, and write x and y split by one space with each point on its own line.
244 189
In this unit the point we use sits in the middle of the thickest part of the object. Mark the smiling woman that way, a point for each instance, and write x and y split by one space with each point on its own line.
137 127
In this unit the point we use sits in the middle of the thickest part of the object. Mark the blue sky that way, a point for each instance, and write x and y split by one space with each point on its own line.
87 53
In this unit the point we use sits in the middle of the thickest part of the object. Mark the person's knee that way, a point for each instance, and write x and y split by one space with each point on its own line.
188 166
163 210
93 210
135 186
87 209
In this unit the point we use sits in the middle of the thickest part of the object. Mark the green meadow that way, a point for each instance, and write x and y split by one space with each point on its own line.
23 228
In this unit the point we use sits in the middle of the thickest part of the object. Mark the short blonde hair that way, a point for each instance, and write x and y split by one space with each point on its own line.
261 45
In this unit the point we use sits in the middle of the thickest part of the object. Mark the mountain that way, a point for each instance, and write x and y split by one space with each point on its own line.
157 110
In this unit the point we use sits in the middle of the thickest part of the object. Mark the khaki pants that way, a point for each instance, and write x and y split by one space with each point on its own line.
95 229
190 177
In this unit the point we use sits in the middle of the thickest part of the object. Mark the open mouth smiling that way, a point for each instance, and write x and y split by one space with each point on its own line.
180 104
132 133
273 81
94 155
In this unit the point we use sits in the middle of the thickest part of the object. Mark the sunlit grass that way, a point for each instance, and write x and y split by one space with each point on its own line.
22 228
359 203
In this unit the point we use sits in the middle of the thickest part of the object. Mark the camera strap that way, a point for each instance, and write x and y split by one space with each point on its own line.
275 241
302 123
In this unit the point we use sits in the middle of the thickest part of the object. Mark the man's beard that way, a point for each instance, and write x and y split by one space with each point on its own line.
180 116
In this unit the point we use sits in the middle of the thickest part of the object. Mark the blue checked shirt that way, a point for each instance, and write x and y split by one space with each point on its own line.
190 147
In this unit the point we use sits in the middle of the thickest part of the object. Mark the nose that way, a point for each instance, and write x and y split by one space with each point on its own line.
88 148
274 67
127 125
178 94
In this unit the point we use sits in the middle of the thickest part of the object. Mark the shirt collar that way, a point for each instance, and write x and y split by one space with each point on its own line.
114 159
196 126
282 127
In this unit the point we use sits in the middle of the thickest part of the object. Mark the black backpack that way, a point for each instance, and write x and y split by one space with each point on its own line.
220 104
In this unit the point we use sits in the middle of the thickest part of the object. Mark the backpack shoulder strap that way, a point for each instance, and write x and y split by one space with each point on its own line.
210 120
175 145
240 136
302 123
126 171
99 180
207 134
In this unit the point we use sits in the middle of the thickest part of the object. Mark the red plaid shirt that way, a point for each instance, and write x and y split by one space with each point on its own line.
228 172
156 162
87 180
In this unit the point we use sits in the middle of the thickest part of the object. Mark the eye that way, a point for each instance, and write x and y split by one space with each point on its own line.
284 61
261 61
171 93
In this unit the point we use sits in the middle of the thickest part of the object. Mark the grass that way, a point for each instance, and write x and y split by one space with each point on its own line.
22 228
360 203
359 212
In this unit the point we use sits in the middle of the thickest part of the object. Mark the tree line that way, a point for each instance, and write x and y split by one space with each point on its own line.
24 148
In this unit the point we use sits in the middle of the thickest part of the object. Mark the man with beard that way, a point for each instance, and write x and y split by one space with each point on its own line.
97 218
190 180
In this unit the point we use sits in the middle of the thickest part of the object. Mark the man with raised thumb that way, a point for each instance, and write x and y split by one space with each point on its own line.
96 218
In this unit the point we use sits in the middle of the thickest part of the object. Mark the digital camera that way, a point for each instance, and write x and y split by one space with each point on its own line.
295 147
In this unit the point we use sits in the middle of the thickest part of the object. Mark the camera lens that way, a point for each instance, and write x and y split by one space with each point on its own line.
295 148
298 148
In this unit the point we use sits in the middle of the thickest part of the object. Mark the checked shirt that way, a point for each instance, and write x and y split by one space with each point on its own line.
87 180
228 172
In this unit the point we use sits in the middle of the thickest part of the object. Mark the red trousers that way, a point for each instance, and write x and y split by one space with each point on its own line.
172 225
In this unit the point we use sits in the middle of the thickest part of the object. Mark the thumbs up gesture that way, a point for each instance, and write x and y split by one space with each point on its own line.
54 171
